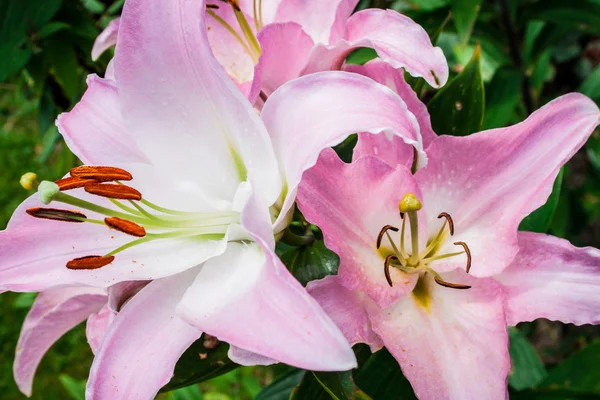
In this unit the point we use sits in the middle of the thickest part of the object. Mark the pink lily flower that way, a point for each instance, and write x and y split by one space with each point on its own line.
264 43
439 285
194 185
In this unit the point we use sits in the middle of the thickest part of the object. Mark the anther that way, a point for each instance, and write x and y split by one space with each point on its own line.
72 182
383 231
113 191
56 214
101 174
450 285
125 226
464 246
449 220
90 262
213 6
386 268
409 203
28 180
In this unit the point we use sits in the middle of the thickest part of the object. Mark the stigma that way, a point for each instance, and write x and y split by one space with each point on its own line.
415 260
130 213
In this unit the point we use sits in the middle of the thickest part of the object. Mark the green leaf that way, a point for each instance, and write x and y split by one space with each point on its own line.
205 359
340 385
502 96
75 388
381 378
591 85
65 66
579 372
540 220
24 300
581 15
93 6
311 262
282 387
310 388
457 109
186 393
361 56
465 13
50 29
527 369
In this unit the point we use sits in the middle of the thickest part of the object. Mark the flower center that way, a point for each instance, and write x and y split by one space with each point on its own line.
413 260
249 41
132 214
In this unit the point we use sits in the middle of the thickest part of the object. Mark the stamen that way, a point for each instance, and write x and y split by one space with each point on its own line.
101 174
57 214
449 220
383 231
214 6
386 268
125 226
72 182
90 262
113 191
464 246
234 4
450 285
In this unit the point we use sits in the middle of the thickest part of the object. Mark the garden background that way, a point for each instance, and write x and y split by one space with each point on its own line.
507 58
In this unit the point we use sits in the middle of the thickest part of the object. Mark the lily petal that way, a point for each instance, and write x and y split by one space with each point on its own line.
53 314
181 107
450 344
394 151
347 309
247 298
329 198
318 111
95 131
106 39
397 39
488 182
551 278
144 342
245 357
324 21
280 62
96 327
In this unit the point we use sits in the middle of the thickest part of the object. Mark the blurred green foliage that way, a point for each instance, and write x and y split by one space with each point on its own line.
531 52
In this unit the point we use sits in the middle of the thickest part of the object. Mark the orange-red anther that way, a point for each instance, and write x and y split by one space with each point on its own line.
113 191
90 262
125 226
72 182
101 174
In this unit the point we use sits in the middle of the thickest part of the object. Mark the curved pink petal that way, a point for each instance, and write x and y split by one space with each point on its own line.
324 21
396 152
351 203
488 182
97 325
397 39
144 342
245 357
268 8
53 314
456 347
95 131
348 309
550 278
22 269
317 111
227 49
181 107
106 39
280 62
248 298
122 292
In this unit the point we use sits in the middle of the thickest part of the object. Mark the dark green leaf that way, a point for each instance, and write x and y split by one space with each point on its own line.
501 98
465 13
527 369
186 393
591 85
381 378
65 66
361 56
282 387
74 387
579 372
457 109
340 385
309 388
552 394
93 6
50 29
311 262
540 219
582 15
206 358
